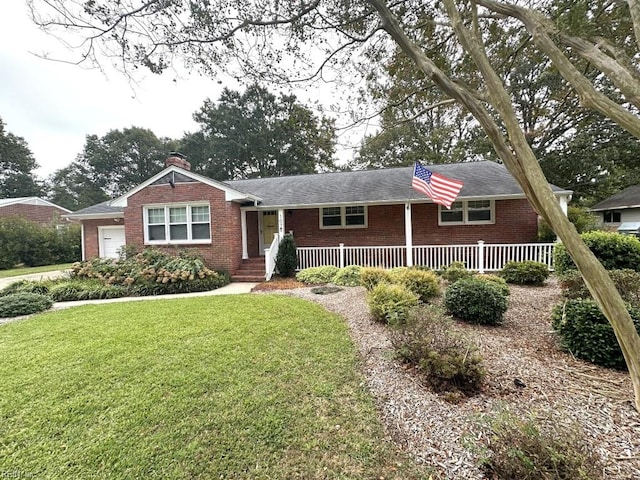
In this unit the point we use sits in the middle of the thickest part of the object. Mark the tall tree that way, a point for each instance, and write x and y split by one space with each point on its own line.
17 165
218 34
256 134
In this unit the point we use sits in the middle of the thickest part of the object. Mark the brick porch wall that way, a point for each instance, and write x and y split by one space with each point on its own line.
516 222
225 250
42 214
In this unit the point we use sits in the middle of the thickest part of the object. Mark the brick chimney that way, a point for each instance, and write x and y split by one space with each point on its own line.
178 160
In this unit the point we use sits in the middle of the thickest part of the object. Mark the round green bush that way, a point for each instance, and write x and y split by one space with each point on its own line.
23 303
615 252
390 303
496 280
317 275
587 334
348 276
476 301
525 273
370 277
423 283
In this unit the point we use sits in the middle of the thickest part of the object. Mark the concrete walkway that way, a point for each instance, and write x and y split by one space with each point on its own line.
231 289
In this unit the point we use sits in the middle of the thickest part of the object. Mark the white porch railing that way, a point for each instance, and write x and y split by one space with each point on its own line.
270 255
480 256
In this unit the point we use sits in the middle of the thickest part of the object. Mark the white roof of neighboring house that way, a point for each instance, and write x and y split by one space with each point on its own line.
5 202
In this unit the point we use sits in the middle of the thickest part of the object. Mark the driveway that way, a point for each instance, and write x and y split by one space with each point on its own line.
4 282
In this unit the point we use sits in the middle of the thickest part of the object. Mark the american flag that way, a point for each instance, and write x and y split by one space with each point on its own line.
439 188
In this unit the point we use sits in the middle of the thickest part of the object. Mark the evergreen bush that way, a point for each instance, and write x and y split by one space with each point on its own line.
287 258
525 273
317 275
348 276
615 252
448 361
627 282
496 280
23 303
587 334
423 283
455 271
476 301
372 276
390 303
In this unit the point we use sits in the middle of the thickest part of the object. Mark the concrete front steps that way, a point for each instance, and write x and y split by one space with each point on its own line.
251 270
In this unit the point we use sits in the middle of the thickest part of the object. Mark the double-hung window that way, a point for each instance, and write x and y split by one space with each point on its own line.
169 224
470 212
350 216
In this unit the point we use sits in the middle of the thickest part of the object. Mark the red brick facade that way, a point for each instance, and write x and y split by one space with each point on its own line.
515 222
42 214
91 240
225 250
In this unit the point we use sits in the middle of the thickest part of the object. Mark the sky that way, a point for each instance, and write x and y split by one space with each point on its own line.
55 105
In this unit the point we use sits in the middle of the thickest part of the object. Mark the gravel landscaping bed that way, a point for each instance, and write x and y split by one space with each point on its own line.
524 348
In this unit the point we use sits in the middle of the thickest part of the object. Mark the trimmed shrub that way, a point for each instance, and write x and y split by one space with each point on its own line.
391 303
615 252
23 303
455 272
476 301
317 275
587 334
287 258
496 280
540 446
423 283
525 273
370 277
627 282
448 361
348 276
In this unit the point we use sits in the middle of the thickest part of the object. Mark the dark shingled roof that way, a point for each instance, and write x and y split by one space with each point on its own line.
103 208
628 198
481 179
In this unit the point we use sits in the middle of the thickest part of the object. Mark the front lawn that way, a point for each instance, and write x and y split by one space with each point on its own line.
244 386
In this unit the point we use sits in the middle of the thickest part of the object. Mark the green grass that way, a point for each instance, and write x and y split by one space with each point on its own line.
233 387
14 272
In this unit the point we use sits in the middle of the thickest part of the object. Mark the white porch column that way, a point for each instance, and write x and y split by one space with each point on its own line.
408 233
243 232
564 203
280 223
83 257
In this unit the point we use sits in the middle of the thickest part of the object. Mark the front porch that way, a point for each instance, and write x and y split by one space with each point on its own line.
481 257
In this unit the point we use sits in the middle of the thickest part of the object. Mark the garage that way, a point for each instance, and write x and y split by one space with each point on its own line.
111 239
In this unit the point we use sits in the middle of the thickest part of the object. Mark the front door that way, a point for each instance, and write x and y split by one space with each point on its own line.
269 226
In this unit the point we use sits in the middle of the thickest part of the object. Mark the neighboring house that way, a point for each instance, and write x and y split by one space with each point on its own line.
33 209
623 207
228 222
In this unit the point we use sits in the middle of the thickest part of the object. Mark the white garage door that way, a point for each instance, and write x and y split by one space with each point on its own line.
110 239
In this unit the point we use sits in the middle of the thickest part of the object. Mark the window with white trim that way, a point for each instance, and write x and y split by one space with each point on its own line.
177 224
351 216
469 212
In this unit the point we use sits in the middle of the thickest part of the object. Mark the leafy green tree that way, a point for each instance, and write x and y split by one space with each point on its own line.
16 167
72 188
256 134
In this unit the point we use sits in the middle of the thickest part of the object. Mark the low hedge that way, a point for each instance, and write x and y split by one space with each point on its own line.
455 271
370 277
423 283
23 303
627 282
348 276
587 334
615 252
317 275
